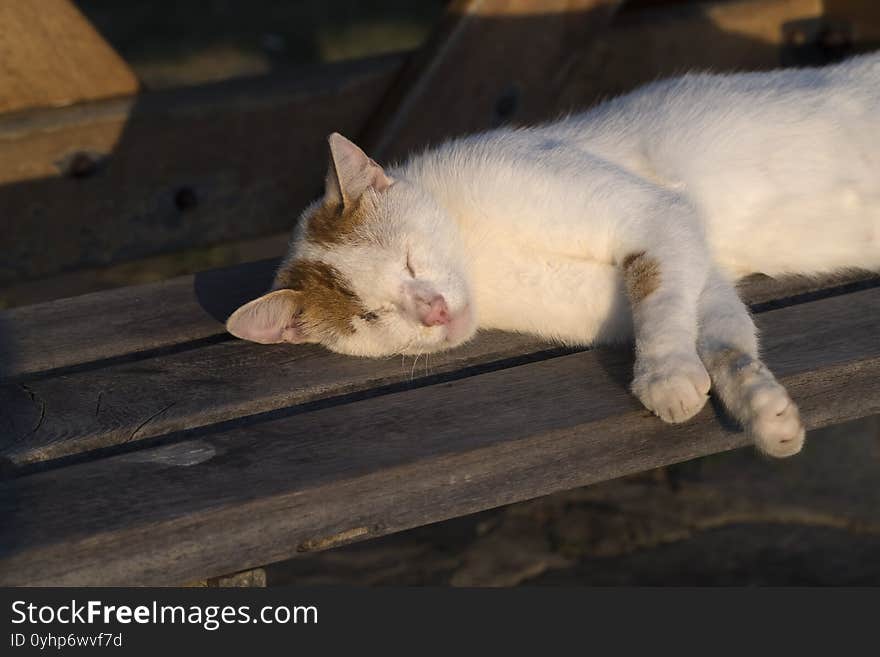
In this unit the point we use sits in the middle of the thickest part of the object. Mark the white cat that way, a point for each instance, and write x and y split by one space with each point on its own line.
630 220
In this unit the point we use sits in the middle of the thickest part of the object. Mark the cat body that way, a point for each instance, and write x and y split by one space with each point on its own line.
631 220
783 171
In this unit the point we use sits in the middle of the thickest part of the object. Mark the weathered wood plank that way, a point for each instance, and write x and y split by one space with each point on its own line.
159 315
117 180
226 500
50 55
69 413
72 413
125 320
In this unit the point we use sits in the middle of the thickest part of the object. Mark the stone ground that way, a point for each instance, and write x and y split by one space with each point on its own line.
729 519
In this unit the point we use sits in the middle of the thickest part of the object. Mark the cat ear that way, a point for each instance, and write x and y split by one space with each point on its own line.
351 172
270 319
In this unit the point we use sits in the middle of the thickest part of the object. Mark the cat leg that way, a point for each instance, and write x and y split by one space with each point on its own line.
728 345
663 285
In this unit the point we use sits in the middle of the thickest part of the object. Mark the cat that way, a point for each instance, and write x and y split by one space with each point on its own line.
629 221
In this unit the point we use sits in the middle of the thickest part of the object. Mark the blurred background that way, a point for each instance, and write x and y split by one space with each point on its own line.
174 44
205 139
199 136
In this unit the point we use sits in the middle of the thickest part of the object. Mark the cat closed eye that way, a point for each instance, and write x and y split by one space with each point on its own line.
409 267
369 316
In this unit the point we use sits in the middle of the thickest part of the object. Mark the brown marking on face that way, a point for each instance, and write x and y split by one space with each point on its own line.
328 304
641 274
334 223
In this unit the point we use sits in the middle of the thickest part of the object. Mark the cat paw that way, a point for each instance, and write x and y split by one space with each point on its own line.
675 389
776 423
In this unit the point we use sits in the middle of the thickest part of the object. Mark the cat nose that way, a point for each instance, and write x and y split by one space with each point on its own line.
433 311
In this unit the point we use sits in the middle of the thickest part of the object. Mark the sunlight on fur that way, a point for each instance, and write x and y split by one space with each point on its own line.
630 221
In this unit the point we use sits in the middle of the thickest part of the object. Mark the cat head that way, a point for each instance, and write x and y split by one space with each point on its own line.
375 268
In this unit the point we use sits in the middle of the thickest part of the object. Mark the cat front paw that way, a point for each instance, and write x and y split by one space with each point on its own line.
776 422
674 389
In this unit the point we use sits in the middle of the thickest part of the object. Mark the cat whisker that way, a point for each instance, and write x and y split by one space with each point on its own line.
412 373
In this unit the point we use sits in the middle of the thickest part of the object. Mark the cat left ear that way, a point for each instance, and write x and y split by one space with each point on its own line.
351 172
270 319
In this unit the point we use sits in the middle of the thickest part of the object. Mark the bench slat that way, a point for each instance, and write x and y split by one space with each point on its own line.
113 323
74 412
317 479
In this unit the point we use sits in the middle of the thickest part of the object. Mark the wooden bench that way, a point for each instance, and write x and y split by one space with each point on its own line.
141 444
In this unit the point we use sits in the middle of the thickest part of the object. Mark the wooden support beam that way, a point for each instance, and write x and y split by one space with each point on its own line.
50 56
254 578
487 63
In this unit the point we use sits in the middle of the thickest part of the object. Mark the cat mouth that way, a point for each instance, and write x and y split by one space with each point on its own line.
460 327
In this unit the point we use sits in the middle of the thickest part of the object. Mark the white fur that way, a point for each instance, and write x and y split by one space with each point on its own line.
713 176
775 172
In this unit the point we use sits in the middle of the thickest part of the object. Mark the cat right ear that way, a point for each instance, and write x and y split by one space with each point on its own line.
351 172
270 319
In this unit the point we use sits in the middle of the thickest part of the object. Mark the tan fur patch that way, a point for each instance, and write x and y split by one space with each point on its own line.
332 223
641 274
328 304
735 361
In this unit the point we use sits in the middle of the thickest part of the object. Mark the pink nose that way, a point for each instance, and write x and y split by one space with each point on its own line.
433 311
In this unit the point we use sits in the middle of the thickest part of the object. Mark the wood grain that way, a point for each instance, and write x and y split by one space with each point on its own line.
129 178
112 323
69 413
50 55
231 498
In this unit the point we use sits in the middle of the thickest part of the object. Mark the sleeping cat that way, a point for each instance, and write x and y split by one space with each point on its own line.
631 220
